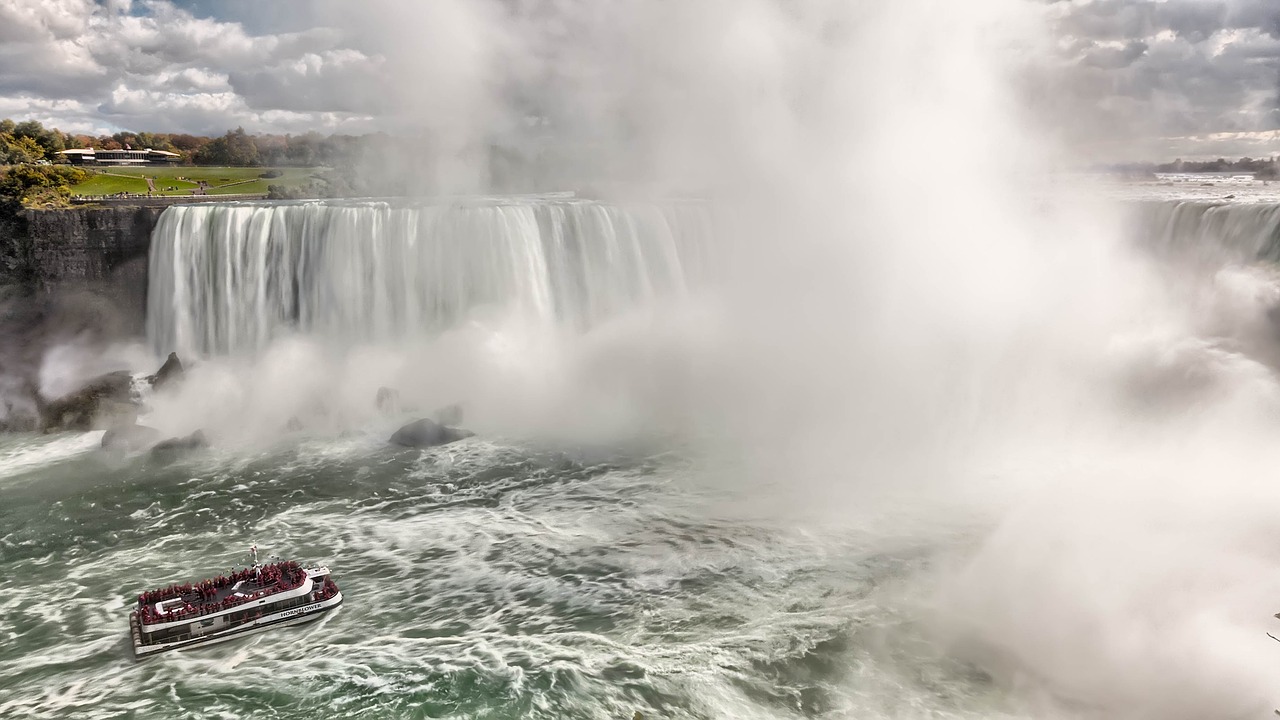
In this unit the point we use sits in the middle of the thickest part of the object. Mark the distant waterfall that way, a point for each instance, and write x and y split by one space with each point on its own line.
1211 233
227 278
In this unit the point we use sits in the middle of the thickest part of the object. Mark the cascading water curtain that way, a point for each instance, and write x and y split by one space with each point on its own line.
1213 233
229 278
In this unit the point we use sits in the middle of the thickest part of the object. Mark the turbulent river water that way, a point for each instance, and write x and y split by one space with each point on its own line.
569 575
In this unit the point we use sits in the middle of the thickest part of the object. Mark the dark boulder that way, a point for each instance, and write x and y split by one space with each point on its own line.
169 373
426 433
194 441
100 402
130 438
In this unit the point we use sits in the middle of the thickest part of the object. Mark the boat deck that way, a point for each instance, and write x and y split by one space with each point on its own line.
183 602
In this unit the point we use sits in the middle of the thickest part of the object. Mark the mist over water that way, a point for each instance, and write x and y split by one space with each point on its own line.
884 423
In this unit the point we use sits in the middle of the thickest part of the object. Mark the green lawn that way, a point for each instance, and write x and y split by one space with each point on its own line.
177 180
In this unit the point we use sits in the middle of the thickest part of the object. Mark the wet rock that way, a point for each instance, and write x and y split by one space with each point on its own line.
22 409
130 438
99 403
426 433
194 441
389 403
114 414
388 400
170 372
16 420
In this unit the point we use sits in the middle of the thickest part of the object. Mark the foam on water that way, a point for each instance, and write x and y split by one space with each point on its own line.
19 454
488 579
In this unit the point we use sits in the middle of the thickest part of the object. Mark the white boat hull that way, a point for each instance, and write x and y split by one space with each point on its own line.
285 618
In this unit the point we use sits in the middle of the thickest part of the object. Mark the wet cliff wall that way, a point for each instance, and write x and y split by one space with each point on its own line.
95 252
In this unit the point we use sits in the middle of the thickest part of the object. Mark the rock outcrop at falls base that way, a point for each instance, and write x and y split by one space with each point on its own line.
173 446
170 372
426 433
103 401
18 420
34 324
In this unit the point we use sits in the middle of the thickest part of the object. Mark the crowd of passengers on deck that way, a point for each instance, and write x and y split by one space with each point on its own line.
268 580
327 590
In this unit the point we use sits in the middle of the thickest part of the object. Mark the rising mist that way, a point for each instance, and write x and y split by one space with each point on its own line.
910 317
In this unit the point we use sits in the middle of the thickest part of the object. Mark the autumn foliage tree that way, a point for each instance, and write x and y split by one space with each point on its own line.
236 149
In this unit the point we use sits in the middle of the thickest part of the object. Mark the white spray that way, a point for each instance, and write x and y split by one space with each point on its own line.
906 308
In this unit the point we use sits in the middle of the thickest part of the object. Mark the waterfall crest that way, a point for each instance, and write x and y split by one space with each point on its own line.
1213 233
228 278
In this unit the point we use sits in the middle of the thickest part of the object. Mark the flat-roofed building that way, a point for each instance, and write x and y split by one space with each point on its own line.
89 156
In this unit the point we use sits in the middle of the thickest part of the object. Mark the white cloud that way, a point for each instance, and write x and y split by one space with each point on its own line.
1130 75
342 80
21 20
71 116
149 64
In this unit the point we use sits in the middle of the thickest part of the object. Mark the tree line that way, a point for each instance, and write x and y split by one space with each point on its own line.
30 142
1261 168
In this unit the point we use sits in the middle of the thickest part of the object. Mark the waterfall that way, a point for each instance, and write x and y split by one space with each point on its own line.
1211 234
228 278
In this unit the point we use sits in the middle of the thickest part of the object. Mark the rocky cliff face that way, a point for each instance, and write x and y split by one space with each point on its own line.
97 250
73 280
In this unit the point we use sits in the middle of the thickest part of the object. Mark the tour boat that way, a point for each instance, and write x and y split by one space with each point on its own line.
243 603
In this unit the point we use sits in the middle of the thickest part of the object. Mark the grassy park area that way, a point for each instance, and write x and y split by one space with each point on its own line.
183 180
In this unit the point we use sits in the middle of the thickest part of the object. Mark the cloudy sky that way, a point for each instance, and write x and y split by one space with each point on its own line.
1189 77
201 66
1143 77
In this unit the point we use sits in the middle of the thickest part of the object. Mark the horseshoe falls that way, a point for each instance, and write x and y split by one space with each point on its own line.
1219 233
